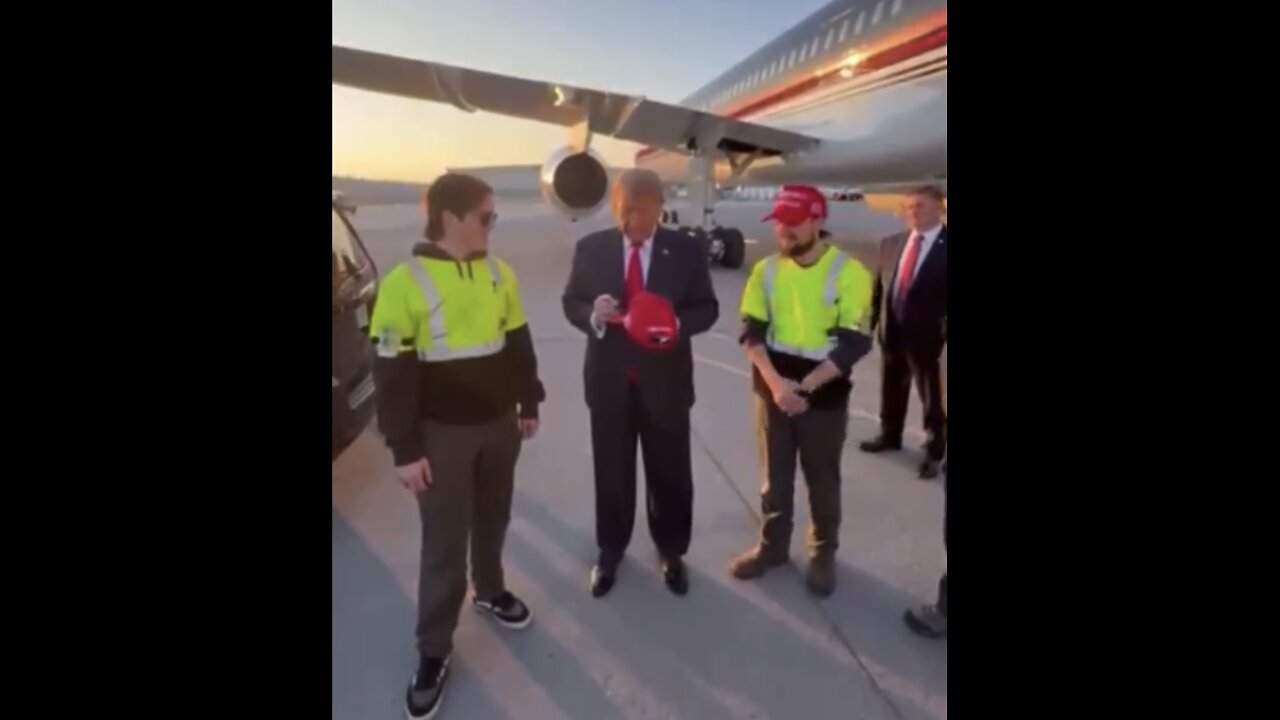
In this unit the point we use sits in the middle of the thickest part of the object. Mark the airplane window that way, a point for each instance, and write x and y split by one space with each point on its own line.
861 17
831 37
897 7
804 51
813 49
844 29
879 11
792 61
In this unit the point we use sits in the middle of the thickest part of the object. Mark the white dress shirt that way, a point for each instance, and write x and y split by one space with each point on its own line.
926 243
646 252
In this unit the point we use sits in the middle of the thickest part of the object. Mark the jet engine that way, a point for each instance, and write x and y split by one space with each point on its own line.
575 183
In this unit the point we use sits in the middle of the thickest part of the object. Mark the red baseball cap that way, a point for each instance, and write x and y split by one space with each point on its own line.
798 203
651 322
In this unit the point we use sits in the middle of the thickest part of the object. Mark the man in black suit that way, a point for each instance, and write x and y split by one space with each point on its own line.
635 393
909 314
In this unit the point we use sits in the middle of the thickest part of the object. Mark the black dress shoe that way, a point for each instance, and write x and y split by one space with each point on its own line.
675 576
880 444
602 579
929 469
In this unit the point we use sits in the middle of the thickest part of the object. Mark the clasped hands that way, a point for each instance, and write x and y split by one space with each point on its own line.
790 396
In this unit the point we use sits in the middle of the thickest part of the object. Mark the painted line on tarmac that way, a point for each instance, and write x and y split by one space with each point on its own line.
856 413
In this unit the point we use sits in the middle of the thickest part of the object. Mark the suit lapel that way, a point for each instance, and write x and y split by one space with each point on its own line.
615 261
658 255
898 246
937 254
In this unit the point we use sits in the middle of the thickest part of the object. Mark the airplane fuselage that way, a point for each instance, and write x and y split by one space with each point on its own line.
866 77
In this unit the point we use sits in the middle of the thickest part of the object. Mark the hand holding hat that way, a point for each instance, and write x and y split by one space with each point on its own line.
651 322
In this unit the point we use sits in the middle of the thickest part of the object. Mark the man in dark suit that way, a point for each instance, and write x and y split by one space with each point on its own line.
635 393
909 314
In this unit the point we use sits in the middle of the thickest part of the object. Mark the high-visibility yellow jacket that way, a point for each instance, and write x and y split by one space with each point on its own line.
807 314
453 346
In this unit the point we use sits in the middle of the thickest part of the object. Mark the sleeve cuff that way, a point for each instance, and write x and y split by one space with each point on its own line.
406 453
851 346
753 333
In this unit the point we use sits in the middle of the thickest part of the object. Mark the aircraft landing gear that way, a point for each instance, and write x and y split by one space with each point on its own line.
723 245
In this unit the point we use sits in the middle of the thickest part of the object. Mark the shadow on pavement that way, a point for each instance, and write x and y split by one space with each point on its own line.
371 614
868 612
549 663
712 654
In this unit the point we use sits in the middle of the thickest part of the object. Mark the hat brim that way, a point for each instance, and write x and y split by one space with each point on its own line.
787 216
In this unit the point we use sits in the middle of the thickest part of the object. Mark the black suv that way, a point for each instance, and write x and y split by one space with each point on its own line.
355 284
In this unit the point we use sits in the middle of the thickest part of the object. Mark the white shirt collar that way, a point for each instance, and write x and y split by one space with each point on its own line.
648 242
928 236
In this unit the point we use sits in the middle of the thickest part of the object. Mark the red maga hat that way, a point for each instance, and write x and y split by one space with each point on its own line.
651 321
798 203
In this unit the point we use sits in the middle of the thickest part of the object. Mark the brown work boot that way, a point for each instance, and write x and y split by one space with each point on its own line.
821 578
753 563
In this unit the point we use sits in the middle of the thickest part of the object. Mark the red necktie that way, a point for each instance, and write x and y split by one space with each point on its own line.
635 285
908 272
635 273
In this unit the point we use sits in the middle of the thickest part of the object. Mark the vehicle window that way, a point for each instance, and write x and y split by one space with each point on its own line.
349 259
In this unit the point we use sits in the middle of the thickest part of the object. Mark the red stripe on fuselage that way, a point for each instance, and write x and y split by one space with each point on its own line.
909 41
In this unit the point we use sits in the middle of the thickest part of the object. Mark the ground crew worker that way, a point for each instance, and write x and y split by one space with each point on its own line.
803 309
458 389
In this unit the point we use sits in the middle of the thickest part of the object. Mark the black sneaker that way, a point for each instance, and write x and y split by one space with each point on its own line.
427 690
926 621
507 609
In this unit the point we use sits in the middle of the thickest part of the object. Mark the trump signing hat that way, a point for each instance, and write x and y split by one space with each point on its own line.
651 322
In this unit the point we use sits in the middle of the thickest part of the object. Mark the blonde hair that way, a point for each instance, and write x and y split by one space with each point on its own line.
639 181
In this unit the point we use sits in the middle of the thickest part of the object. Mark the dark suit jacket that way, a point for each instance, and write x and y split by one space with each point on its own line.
678 271
923 330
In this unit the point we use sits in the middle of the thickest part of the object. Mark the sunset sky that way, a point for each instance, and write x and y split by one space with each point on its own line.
662 49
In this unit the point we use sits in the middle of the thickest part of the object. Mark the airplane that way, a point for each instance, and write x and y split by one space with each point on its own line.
855 94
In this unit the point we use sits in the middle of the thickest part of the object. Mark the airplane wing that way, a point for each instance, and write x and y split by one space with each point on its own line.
625 117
